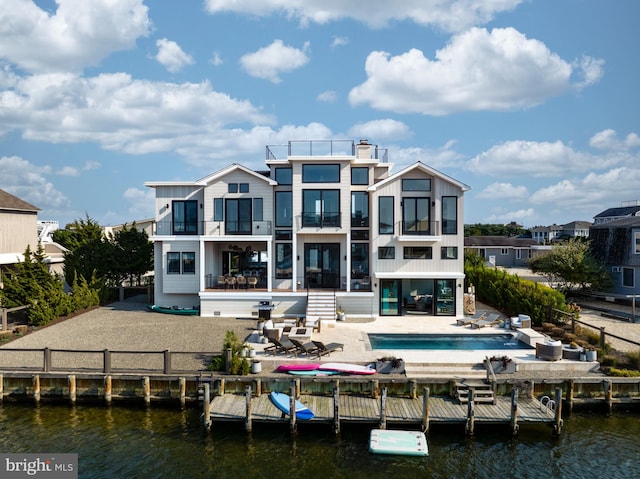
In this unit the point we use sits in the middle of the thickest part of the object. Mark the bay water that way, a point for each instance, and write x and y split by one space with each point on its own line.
158 442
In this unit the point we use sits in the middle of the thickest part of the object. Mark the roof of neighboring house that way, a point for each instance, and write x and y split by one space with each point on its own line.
204 181
627 222
620 211
577 225
499 241
13 203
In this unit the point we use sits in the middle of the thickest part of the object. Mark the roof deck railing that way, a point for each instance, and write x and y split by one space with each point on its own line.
320 148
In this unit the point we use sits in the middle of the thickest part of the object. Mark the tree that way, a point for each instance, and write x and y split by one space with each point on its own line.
570 265
132 255
511 229
78 233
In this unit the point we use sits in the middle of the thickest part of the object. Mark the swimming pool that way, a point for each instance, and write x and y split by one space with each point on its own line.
466 342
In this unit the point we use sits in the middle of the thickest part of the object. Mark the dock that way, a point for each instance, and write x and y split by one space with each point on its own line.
383 410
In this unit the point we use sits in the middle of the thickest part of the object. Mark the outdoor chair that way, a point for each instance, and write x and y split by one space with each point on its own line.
304 348
231 282
252 281
476 317
490 319
282 346
550 351
242 281
327 348
222 282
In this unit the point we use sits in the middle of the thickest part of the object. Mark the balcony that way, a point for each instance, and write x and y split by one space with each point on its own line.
213 228
321 148
321 220
422 230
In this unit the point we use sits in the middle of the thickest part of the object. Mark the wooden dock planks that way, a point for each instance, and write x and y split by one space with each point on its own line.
362 409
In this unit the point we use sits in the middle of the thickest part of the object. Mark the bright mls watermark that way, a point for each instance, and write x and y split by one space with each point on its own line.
50 466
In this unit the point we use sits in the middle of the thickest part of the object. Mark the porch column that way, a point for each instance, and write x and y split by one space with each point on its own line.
347 267
294 262
203 277
270 266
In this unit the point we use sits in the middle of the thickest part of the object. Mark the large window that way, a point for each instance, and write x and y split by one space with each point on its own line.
181 263
320 173
321 208
185 217
418 252
257 209
359 260
416 185
415 216
284 209
359 208
386 252
450 252
218 209
385 215
238 216
636 242
284 176
284 261
359 176
449 215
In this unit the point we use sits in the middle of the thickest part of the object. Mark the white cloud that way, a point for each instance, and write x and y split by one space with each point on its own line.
121 113
449 15
378 130
339 42
497 191
269 62
443 157
80 32
534 159
216 59
329 96
29 183
478 70
140 202
608 140
171 56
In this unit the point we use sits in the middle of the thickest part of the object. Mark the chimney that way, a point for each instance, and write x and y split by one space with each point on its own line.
363 150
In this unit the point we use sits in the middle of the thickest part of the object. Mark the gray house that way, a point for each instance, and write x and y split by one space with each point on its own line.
505 251
617 244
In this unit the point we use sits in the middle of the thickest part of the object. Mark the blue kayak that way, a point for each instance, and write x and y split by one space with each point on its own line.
282 401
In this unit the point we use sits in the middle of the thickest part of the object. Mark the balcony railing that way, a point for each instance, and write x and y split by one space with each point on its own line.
420 228
321 148
321 220
214 228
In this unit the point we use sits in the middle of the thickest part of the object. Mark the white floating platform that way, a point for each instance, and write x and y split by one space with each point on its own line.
407 443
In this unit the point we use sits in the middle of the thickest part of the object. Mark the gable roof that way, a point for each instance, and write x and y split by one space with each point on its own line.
627 222
499 241
418 165
205 180
13 203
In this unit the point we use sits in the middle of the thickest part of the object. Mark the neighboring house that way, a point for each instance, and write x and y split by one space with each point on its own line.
617 244
332 218
627 209
548 234
18 229
505 251
145 225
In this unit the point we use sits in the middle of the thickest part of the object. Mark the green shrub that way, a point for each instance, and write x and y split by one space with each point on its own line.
216 363
625 373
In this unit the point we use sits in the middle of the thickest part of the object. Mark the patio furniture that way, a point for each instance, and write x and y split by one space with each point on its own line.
242 282
490 319
282 346
476 317
327 348
550 351
252 281
521 321
304 348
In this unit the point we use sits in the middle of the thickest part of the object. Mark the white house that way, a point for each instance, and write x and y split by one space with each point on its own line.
325 216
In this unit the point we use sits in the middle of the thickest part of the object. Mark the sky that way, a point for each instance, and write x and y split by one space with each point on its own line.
534 104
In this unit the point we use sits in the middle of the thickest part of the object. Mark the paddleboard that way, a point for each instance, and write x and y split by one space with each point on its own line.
408 443
315 372
285 368
347 368
282 402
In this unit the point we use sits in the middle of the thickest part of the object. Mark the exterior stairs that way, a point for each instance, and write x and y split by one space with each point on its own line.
483 393
321 305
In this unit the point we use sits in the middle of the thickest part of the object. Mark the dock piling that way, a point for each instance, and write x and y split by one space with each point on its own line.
292 409
72 388
558 417
383 409
248 408
146 386
206 407
36 388
425 410
182 385
336 410
470 425
514 411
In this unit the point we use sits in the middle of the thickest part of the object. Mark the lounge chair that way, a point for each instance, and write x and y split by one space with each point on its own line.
282 346
476 317
327 348
490 319
551 351
304 348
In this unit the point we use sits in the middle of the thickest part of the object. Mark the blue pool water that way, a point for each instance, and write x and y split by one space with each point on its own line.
446 341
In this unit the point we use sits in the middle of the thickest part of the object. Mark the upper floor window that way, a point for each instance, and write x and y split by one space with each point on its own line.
181 263
359 176
416 184
415 216
418 252
628 277
449 215
284 176
257 209
321 208
238 216
185 217
385 215
284 209
449 252
218 209
386 252
359 208
320 173
636 242
238 187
